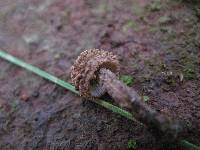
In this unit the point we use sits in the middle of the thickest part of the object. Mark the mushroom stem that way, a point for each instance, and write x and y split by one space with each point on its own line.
128 98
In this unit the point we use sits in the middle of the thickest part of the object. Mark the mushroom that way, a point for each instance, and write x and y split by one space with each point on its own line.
96 72
85 71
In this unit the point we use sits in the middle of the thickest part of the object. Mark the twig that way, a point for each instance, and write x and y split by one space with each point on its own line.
129 98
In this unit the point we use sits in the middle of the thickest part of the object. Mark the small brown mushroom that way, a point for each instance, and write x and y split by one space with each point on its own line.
84 72
95 72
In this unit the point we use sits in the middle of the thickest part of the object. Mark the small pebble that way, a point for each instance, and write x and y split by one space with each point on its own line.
36 94
24 97
16 92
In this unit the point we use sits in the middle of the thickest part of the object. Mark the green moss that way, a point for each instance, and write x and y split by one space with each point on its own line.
137 9
153 29
197 41
165 19
167 29
188 124
14 105
196 9
190 64
131 24
127 79
193 37
194 31
155 5
132 144
155 65
152 69
189 71
145 98
102 7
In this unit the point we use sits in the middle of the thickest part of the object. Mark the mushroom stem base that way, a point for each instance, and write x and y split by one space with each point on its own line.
128 98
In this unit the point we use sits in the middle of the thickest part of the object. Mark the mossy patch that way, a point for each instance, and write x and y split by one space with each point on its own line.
190 65
14 104
145 98
154 5
155 65
127 79
187 66
177 65
130 24
153 29
165 19
132 144
137 9
196 9
194 36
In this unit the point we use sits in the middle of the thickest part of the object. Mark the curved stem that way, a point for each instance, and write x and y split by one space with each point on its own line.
128 98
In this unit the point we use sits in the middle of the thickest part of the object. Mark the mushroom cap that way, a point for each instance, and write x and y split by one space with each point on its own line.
85 71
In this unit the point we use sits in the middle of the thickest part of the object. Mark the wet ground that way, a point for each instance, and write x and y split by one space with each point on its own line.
158 43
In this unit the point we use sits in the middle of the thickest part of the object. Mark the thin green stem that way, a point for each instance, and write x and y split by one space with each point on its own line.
188 145
71 88
37 71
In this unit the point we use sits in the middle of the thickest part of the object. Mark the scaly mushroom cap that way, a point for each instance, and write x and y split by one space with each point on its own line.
84 72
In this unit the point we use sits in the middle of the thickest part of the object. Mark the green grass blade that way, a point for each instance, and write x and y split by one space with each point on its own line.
115 109
189 146
37 71
71 88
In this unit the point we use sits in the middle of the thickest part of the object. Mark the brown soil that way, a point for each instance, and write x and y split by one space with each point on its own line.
158 43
